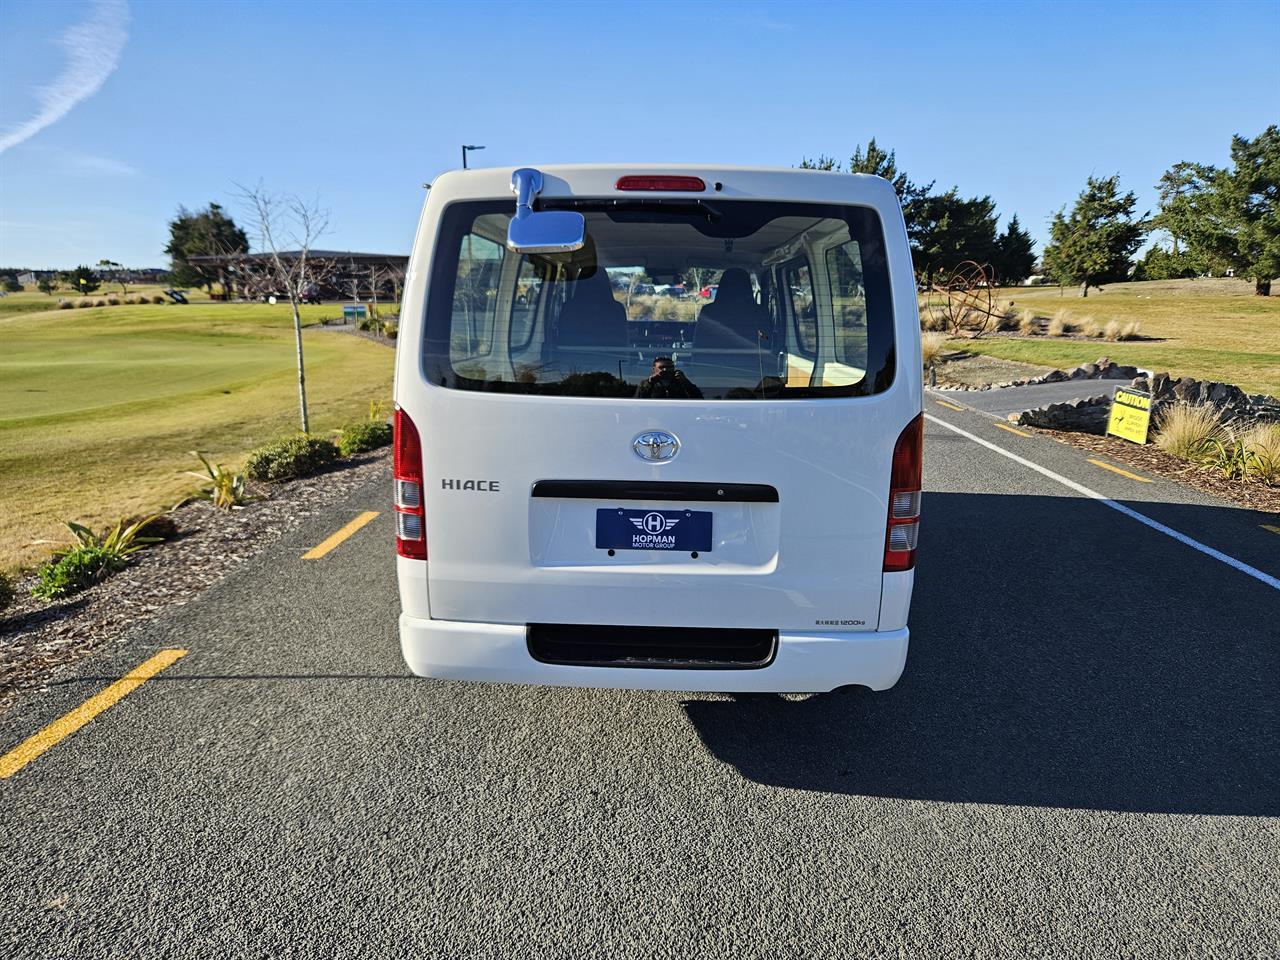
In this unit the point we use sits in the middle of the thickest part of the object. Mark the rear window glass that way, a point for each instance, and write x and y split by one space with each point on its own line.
718 300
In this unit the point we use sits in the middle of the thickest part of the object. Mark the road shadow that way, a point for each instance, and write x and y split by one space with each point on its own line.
1062 655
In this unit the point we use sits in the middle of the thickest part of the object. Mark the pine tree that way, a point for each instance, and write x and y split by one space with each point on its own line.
1092 245
1230 218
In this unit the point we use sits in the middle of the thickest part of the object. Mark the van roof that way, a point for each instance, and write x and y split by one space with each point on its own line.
724 181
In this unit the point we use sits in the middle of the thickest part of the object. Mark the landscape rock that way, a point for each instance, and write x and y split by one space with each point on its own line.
1084 416
1235 404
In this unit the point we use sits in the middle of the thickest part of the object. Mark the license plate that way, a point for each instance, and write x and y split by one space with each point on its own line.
622 529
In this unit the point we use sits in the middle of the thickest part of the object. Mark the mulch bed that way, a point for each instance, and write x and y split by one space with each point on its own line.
1153 460
38 637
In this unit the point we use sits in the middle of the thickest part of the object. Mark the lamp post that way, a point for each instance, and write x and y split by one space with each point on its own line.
465 148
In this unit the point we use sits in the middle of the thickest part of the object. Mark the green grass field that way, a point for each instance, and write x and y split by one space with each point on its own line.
1208 329
100 407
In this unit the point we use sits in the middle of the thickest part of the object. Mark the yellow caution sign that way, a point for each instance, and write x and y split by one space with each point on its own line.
1130 415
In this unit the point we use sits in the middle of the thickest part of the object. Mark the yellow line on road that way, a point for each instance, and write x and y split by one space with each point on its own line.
331 541
1267 526
1005 426
949 406
1123 473
64 726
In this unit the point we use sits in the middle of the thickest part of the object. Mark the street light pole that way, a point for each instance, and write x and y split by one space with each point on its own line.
465 148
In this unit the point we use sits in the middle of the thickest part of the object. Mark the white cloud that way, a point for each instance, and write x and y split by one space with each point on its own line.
93 53
93 165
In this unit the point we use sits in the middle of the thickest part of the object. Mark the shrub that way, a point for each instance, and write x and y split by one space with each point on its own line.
74 571
94 557
1006 317
1089 327
100 302
932 345
1027 324
1058 327
1262 443
157 298
1189 431
363 436
390 330
84 302
1112 330
65 304
226 489
290 458
131 299
113 301
1131 331
7 592
933 319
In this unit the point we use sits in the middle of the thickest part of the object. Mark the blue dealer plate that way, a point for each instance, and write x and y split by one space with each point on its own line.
622 529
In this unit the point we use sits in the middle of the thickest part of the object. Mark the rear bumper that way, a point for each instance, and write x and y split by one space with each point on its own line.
805 662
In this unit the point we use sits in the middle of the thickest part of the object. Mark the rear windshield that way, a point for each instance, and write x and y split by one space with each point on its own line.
716 300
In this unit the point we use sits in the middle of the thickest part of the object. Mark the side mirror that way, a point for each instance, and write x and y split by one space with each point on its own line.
543 231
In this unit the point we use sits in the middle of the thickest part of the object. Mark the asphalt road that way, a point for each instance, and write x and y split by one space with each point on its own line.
1006 400
1080 761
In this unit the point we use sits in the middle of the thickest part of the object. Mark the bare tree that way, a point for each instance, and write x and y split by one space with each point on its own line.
285 221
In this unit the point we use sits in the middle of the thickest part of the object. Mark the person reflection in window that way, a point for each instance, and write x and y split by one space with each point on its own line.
668 383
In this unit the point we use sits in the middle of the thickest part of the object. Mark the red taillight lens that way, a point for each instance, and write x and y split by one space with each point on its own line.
411 522
904 498
673 184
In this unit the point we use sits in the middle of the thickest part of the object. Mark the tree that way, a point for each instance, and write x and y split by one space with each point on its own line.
884 163
1162 264
1014 259
47 284
1092 245
82 279
951 230
11 284
1229 218
275 220
203 233
117 270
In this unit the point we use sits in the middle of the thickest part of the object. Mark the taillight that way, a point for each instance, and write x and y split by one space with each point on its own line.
411 524
670 184
904 498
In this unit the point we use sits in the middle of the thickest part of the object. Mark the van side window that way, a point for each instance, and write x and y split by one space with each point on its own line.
849 303
475 297
524 309
804 313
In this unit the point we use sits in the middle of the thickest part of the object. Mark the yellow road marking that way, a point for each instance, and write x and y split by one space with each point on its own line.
949 406
69 723
331 541
1005 426
1267 526
1123 473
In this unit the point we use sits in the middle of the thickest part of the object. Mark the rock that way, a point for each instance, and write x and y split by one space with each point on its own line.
1083 416
1055 376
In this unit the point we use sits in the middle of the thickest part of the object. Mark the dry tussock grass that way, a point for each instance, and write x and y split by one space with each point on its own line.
932 345
1190 431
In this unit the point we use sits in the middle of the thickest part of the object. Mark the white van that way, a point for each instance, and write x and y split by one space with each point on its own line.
600 487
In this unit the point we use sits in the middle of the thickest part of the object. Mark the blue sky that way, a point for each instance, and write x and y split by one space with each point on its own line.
122 111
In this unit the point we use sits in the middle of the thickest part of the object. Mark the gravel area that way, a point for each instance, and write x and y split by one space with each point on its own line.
1255 496
39 637
352 329
970 370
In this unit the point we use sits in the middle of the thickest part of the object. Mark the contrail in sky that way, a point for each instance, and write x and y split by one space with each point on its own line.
93 53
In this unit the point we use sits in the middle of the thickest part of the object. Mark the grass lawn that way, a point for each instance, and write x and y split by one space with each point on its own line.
1209 329
100 407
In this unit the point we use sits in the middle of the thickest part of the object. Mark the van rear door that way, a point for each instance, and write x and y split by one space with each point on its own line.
566 482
